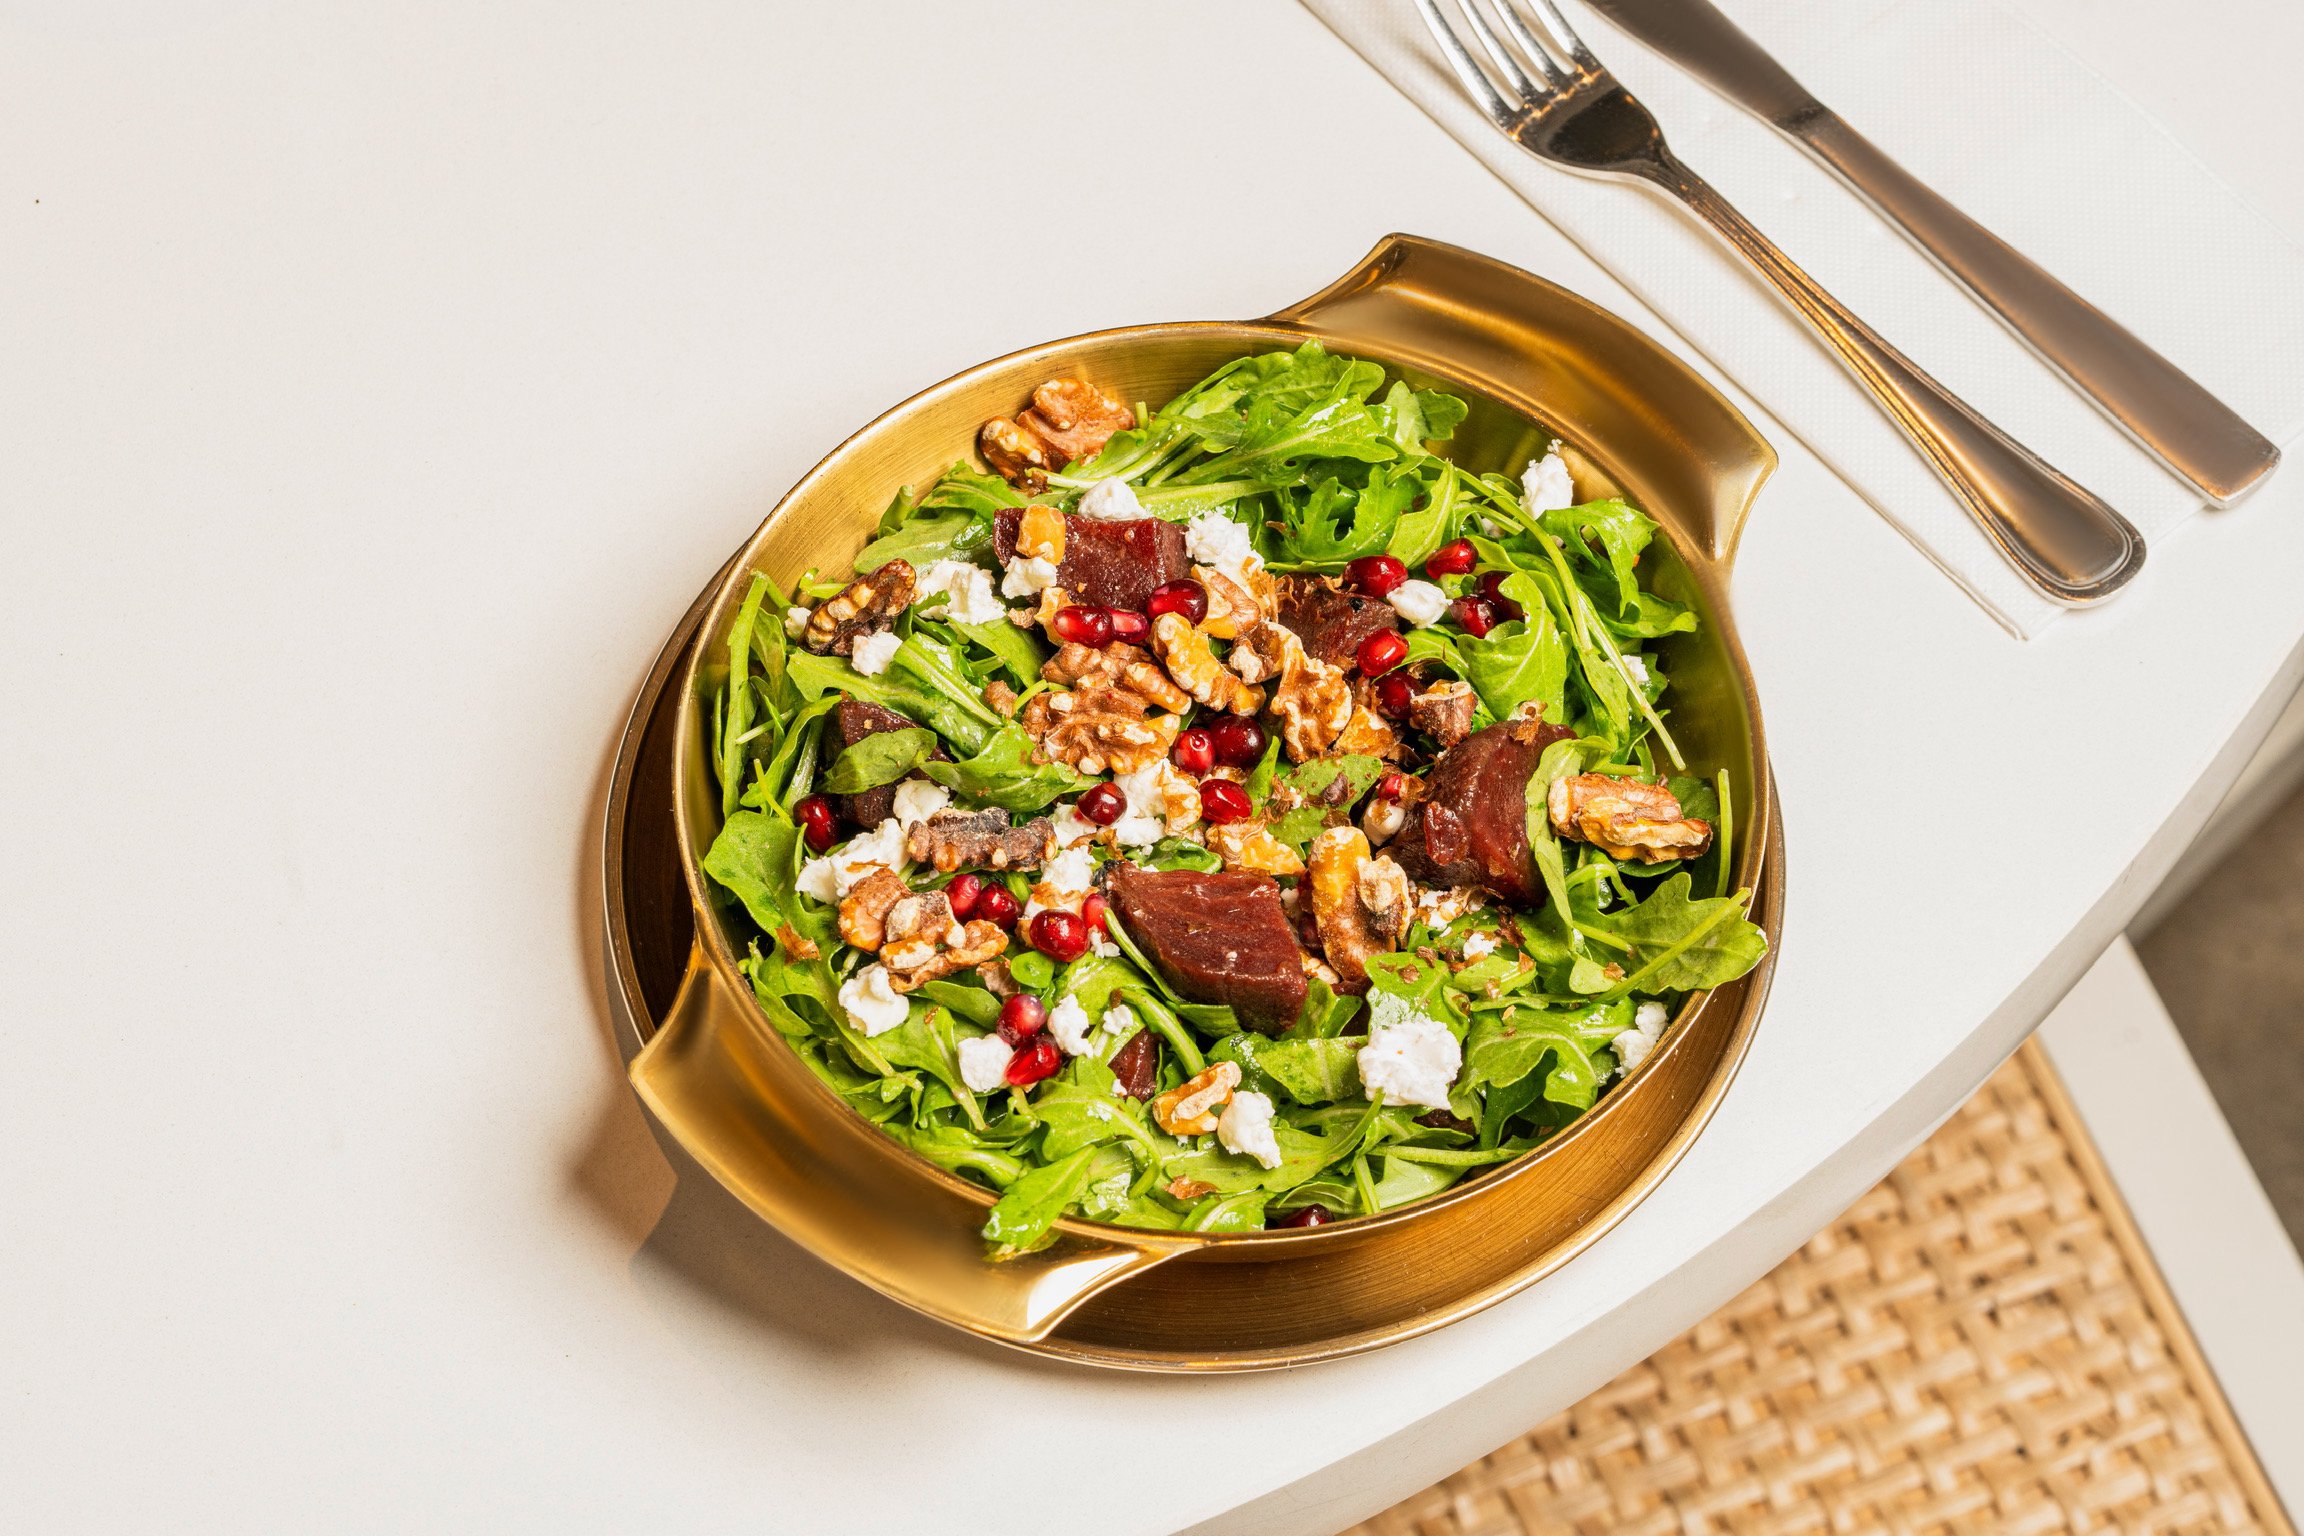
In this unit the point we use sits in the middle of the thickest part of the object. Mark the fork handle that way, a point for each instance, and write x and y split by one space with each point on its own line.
2168 414
2065 540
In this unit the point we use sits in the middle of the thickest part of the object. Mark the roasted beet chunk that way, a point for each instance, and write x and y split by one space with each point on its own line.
1136 1065
853 720
1331 621
1107 565
1472 826
1219 938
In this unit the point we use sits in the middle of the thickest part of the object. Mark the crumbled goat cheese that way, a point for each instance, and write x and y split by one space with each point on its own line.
1069 876
835 875
875 1005
1410 1058
1100 945
967 589
1025 578
1110 501
1068 1022
1072 827
1148 790
1438 906
1120 1021
1637 667
1419 602
1213 539
795 621
984 1062
1545 485
1633 1045
1478 944
919 799
872 653
1245 1127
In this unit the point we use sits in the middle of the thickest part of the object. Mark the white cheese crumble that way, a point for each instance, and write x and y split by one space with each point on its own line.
874 1005
1245 1127
967 589
1025 578
1213 539
1120 1021
836 874
1545 485
795 621
1066 878
919 799
1110 501
1072 827
1438 906
1151 791
1633 1045
1478 944
984 1063
872 653
1637 667
1068 1022
1410 1058
1419 602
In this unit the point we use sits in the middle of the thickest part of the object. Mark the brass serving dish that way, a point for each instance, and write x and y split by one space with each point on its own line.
728 1091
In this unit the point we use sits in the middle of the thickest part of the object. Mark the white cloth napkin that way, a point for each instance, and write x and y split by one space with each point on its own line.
2018 133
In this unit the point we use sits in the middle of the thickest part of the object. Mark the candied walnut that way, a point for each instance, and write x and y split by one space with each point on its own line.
1074 419
1311 699
1367 733
997 981
798 947
1625 818
1232 612
1053 601
951 840
1444 711
1000 698
1262 653
864 910
1096 729
1120 666
1183 1188
868 603
916 926
1250 845
1192 662
1040 535
1388 898
977 944
1191 1108
1362 904
1015 455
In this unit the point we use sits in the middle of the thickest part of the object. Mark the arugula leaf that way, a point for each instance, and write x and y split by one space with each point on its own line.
879 759
1317 1070
821 676
1521 659
928 537
1002 773
1419 416
1679 945
965 488
753 857
1081 1110
1241 1212
1015 650
1501 1049
1020 1221
736 697
1325 1012
955 1150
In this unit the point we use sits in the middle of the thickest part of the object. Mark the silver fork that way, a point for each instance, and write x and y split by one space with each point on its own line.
1554 99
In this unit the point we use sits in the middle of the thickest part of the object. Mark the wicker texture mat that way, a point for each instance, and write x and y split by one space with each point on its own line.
1980 1345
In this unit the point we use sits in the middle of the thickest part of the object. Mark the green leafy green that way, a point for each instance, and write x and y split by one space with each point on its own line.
879 759
1679 945
1316 1070
1002 773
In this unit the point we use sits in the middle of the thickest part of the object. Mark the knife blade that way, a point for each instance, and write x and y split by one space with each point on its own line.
1696 36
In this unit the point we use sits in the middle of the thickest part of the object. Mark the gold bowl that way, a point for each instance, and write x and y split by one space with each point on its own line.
1532 360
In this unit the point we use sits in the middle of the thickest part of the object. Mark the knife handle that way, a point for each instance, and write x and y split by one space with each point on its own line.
2158 404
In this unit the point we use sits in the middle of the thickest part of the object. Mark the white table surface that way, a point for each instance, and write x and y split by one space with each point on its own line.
376 386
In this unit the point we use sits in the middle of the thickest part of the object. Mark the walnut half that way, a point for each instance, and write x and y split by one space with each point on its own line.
1068 420
1192 1108
870 602
1625 818
1362 904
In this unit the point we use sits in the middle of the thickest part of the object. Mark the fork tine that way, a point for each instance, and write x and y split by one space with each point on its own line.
1507 62
1551 64
1562 37
1483 90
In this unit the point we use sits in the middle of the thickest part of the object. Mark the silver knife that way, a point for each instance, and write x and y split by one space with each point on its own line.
2154 401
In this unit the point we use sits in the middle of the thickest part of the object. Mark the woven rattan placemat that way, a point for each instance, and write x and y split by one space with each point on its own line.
1981 1344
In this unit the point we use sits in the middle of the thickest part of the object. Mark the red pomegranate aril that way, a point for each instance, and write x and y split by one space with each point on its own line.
1452 559
1238 741
1022 1017
1303 1216
1188 598
1104 804
1381 652
1491 587
1091 627
1129 626
814 814
1395 691
1476 614
963 894
1033 1061
1061 936
1092 912
1376 575
1392 786
1194 752
1223 801
998 906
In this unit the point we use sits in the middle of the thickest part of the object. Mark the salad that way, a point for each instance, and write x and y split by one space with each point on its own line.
1225 816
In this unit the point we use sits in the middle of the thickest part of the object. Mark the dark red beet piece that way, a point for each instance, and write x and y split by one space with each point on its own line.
1218 938
1330 620
1107 565
853 720
1137 1065
1472 828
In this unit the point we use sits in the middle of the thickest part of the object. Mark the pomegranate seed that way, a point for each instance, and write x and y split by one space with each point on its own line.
1188 598
998 906
1392 786
1061 936
815 817
1194 752
1091 627
1376 575
1306 1216
963 894
1381 652
1221 801
1238 741
1092 912
1395 691
1103 805
1032 1062
1022 1017
1451 559
1491 587
1476 614
1130 626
